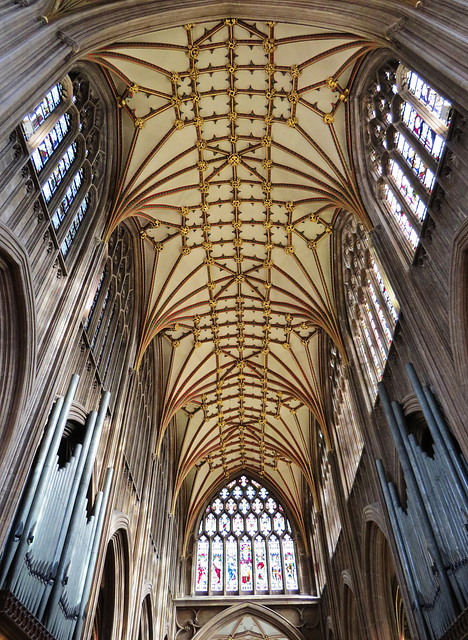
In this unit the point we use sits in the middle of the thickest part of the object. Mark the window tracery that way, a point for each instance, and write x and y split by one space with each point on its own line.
245 543
408 123
63 138
106 327
331 516
372 313
349 441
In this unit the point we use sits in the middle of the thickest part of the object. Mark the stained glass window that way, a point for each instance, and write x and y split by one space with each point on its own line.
64 136
407 130
373 315
45 150
35 119
245 543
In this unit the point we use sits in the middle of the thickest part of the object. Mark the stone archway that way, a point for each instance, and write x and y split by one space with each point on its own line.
244 621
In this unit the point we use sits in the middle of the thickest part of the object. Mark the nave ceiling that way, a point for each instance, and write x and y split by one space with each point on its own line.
235 159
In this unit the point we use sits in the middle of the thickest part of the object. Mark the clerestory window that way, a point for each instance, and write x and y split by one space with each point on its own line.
62 135
372 310
408 124
245 543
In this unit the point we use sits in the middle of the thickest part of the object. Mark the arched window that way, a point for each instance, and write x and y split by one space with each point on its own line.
372 312
62 135
348 436
106 328
407 129
331 516
245 543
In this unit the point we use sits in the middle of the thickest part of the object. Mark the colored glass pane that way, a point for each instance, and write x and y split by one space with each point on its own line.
237 493
432 100
224 524
231 506
246 564
203 549
217 506
224 493
210 524
244 506
250 492
58 173
261 570
419 167
271 505
278 523
263 493
232 583
407 190
34 120
423 132
257 506
290 570
243 481
44 151
276 573
217 564
238 524
265 524
251 524
401 217
68 198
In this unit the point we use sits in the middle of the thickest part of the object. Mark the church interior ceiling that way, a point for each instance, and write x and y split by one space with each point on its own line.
235 160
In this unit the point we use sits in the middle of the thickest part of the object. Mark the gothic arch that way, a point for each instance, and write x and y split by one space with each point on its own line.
111 615
17 357
350 614
459 304
384 599
247 609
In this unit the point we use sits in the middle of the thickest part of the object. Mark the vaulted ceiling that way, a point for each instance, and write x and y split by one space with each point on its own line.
234 157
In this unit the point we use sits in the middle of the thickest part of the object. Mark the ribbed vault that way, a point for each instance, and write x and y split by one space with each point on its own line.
235 159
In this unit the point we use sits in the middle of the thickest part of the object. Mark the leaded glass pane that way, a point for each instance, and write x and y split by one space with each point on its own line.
271 505
246 564
244 506
203 549
217 564
423 132
261 575
231 506
432 100
217 506
224 524
290 570
276 573
407 190
59 173
278 524
238 524
419 167
224 493
34 120
401 217
251 524
210 524
232 583
250 492
265 524
52 140
257 506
